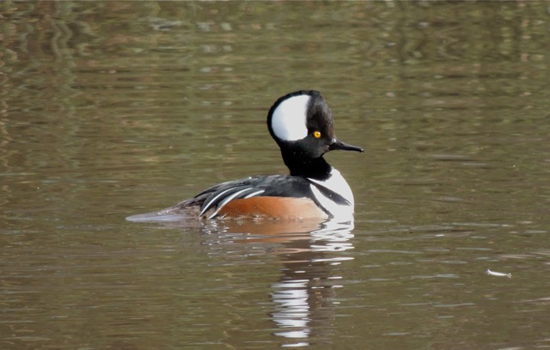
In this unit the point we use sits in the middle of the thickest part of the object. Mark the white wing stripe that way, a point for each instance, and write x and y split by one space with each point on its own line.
227 200
209 203
254 194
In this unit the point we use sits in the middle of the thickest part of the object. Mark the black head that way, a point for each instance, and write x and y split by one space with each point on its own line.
302 125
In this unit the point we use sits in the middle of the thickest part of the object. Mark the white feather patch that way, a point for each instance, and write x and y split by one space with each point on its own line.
289 118
338 184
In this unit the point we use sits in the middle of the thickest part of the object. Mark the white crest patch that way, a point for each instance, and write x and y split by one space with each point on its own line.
289 118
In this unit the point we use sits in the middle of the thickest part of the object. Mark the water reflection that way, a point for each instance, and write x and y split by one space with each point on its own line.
304 296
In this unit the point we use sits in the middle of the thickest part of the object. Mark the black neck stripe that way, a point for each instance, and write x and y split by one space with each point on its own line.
332 195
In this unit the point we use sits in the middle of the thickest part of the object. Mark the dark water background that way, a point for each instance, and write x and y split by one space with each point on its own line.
109 109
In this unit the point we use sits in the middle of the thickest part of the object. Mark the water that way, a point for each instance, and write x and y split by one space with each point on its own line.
116 108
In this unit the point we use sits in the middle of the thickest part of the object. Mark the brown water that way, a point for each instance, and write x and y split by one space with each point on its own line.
115 108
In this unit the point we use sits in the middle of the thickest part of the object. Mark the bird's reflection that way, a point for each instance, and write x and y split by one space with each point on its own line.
303 298
310 252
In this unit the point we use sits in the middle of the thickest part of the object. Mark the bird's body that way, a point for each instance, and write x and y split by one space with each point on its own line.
302 125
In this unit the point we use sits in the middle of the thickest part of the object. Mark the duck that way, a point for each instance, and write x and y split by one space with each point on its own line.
302 125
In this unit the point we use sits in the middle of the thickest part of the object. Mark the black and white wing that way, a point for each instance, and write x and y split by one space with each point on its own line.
215 198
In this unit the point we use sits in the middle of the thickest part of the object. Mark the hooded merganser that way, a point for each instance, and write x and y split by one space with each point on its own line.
302 125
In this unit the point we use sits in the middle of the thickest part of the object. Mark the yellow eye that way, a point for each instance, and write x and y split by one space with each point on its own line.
317 134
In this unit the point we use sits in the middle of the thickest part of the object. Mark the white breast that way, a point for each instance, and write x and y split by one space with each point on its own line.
338 184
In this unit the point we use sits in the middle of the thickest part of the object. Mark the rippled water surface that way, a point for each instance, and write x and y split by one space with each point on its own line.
109 109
